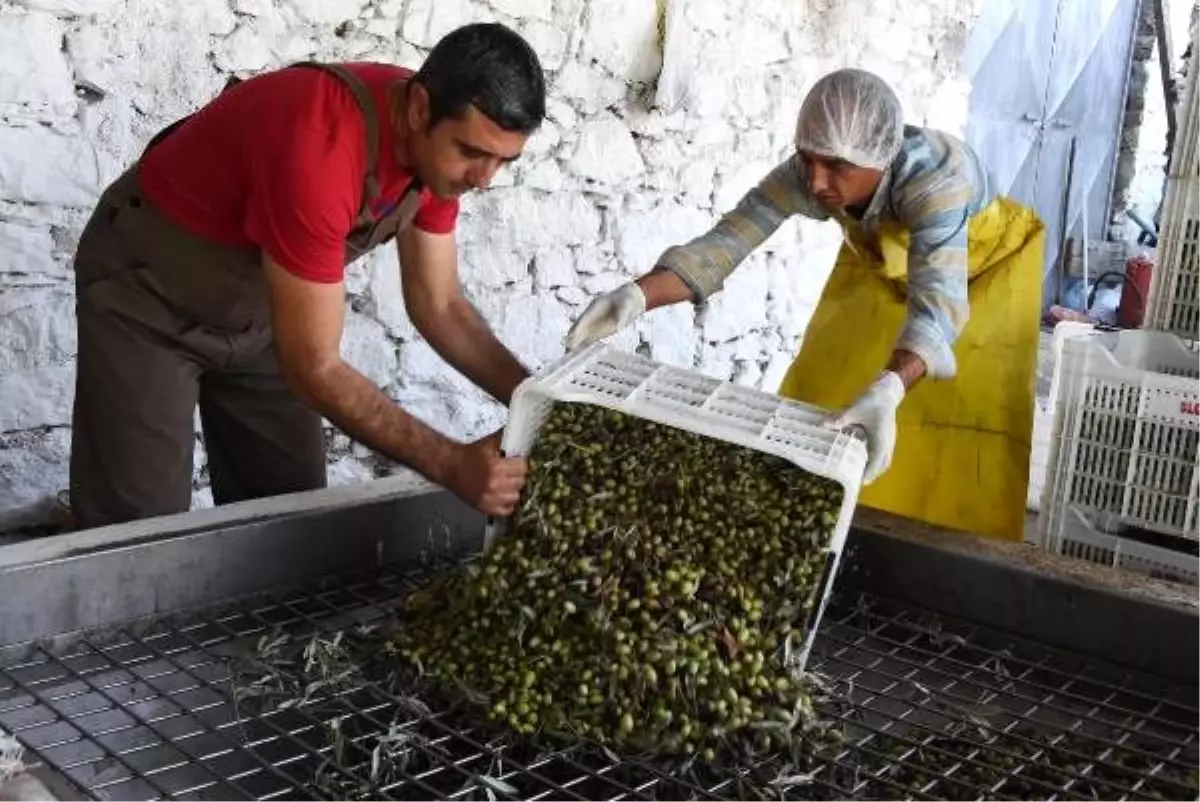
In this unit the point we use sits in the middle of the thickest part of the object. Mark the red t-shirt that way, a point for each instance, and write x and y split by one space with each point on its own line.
278 161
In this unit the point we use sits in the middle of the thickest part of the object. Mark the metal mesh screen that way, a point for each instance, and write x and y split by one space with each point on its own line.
934 708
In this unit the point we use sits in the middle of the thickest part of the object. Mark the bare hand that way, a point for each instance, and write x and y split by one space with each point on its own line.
486 480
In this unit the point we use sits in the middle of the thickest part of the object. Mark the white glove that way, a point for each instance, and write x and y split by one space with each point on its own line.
875 412
607 314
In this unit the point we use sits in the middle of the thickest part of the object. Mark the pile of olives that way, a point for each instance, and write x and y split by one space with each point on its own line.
648 594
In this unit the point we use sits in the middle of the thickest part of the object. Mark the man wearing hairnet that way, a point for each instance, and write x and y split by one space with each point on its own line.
926 331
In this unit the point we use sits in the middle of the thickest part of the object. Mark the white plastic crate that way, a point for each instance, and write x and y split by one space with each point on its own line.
1076 539
1185 150
697 403
1039 456
1124 445
1174 303
1175 284
1043 414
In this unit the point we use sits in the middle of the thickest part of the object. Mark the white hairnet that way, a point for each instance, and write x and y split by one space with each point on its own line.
853 115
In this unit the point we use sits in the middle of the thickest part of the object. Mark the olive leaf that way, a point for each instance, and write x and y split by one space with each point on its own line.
496 785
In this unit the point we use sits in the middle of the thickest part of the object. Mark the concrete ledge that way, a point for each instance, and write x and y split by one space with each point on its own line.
1109 614
73 544
120 574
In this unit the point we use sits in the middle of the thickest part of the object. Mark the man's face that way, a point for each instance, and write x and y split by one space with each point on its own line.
837 183
458 154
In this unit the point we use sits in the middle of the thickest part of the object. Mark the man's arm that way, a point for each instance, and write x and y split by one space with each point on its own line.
438 308
700 267
306 320
938 307
934 201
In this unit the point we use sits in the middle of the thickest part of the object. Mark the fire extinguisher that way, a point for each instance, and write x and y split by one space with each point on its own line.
1132 311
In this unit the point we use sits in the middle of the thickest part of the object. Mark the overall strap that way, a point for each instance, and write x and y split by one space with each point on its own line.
363 96
230 82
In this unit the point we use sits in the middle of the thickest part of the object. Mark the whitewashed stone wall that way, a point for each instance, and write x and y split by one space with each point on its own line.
603 188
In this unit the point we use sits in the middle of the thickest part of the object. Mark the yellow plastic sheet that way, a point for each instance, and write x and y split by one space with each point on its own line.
962 445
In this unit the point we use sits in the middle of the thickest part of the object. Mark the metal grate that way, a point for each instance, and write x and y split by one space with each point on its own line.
146 711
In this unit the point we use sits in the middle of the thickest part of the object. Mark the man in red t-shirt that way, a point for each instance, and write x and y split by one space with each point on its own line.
211 274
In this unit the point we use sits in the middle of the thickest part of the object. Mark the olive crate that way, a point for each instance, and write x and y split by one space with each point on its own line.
1077 538
1124 468
1175 289
1174 303
695 402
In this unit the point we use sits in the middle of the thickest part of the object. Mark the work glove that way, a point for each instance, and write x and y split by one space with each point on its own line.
606 315
875 413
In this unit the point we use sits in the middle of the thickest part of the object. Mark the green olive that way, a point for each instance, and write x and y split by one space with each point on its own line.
635 545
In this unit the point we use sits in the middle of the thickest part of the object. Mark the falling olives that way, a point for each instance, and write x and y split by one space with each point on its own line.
646 593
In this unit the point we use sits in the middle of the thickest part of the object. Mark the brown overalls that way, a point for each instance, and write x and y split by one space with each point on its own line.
168 321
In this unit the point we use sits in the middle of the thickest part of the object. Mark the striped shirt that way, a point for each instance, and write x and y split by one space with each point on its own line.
932 188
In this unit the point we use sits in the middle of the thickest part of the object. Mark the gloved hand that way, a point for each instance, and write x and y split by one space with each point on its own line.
607 314
875 411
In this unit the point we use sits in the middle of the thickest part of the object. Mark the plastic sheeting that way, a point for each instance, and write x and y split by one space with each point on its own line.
1043 74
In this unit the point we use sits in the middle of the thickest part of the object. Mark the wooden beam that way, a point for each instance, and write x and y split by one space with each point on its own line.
1162 33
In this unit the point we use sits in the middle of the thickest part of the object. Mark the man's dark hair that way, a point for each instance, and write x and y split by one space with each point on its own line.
490 66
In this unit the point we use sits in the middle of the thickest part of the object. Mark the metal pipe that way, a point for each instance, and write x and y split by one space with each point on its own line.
1064 236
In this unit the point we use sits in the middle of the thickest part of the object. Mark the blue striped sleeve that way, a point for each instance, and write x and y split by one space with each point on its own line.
935 204
706 262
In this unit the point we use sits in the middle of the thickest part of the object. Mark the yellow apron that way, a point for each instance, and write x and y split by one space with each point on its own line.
962 444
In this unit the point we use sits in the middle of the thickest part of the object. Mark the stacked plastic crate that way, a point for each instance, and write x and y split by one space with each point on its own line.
1174 303
1123 485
